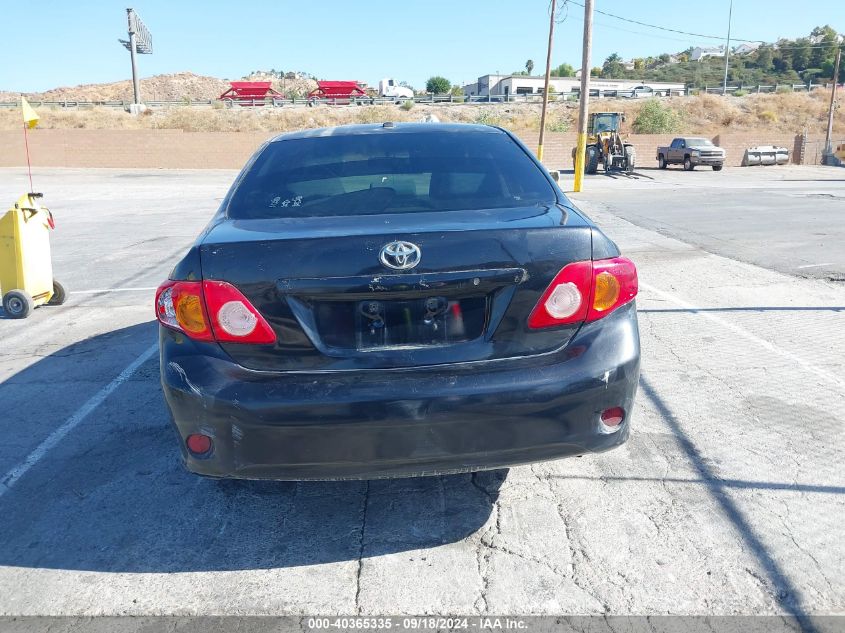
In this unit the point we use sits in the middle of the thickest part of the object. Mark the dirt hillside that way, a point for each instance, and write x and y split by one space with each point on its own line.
171 87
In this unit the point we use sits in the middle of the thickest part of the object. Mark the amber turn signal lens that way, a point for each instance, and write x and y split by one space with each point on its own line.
189 313
607 291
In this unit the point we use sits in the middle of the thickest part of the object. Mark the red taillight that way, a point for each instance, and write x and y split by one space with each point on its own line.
566 300
199 444
233 318
613 416
211 310
585 291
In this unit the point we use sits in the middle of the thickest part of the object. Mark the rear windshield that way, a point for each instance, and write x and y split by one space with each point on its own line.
389 172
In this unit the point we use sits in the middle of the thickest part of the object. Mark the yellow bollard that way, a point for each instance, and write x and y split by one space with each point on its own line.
580 155
26 268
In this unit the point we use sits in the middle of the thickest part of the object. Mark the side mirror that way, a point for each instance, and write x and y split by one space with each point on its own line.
555 175
623 118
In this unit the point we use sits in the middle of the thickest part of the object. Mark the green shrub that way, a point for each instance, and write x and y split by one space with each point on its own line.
740 93
656 118
438 85
559 124
487 117
784 89
407 105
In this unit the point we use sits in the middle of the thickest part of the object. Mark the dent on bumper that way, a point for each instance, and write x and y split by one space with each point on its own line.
403 422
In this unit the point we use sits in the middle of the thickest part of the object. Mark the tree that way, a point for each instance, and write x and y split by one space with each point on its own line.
564 70
801 54
639 64
438 85
595 71
765 57
529 66
827 41
613 67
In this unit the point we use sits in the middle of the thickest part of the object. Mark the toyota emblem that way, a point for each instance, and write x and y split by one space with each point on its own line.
400 255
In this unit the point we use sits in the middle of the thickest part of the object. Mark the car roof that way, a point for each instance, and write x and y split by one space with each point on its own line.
390 127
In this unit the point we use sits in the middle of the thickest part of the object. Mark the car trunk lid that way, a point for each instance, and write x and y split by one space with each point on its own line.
334 304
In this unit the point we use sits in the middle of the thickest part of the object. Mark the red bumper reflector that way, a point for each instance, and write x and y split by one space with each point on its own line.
199 444
613 416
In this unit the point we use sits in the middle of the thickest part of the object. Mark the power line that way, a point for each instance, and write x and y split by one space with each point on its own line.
664 28
772 45
564 9
620 28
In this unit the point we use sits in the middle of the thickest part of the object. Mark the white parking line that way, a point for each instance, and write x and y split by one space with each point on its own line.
96 292
815 265
817 371
11 477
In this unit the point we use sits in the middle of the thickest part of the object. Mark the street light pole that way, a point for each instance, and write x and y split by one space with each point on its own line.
584 97
546 83
728 49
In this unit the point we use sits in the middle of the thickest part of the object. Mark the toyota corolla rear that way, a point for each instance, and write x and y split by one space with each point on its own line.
396 300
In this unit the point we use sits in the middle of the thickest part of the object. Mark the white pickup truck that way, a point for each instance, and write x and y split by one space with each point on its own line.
691 151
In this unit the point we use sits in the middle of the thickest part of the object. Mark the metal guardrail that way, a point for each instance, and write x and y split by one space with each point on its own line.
762 89
305 102
434 99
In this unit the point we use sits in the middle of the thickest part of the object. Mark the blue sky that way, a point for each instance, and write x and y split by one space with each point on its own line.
66 43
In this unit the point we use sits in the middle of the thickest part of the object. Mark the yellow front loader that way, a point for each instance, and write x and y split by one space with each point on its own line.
605 145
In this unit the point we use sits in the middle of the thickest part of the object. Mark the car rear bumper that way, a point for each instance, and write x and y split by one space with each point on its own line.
393 423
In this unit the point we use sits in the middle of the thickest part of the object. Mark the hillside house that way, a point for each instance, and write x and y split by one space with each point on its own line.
746 47
702 52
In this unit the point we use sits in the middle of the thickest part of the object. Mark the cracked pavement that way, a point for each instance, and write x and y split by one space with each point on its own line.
729 497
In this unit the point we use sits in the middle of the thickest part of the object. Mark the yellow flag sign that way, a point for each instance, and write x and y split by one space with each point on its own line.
30 116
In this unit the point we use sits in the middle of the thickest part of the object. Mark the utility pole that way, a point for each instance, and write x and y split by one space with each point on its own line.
728 49
546 84
136 87
584 98
828 144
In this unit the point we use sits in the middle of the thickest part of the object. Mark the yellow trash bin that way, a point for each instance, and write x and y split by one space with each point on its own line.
26 269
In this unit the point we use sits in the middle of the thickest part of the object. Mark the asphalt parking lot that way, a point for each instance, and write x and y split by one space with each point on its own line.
728 499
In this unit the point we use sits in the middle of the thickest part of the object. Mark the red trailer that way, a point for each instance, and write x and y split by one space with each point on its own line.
250 93
337 91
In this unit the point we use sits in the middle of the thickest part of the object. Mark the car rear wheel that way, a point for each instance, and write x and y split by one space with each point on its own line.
717 167
18 304
59 294
661 162
688 166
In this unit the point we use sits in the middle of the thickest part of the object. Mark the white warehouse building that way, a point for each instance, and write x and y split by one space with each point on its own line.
509 86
